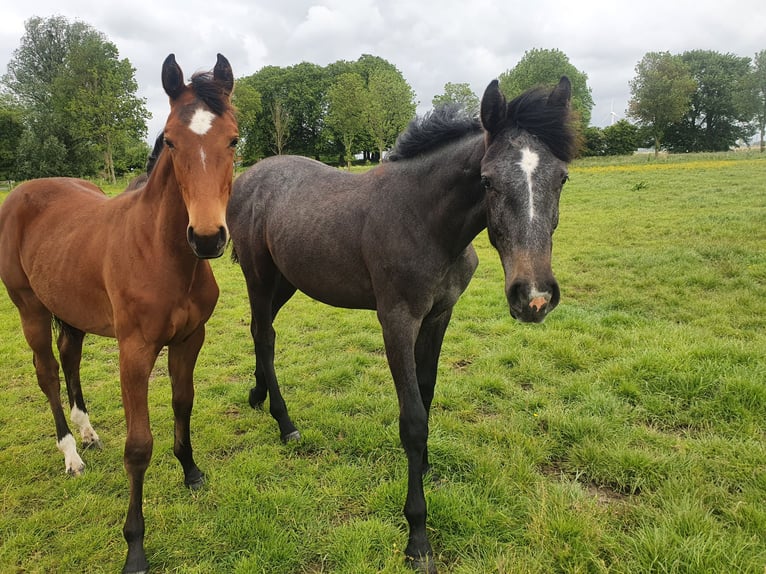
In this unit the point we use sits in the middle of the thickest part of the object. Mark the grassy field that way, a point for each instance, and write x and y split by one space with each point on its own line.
626 434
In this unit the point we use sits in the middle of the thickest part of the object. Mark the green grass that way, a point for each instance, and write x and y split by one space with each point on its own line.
625 434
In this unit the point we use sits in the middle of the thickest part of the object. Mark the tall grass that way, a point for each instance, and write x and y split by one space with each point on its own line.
625 434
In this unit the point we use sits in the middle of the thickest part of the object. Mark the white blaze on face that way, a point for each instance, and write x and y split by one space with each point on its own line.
200 124
201 121
528 164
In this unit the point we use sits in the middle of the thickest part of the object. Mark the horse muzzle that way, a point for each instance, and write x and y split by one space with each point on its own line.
530 304
207 246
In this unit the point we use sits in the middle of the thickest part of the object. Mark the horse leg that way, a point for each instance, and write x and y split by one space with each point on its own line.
427 350
431 335
282 293
36 324
263 309
399 336
70 350
136 363
181 360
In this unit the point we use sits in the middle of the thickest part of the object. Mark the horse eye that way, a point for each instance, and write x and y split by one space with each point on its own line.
485 182
234 142
564 180
169 143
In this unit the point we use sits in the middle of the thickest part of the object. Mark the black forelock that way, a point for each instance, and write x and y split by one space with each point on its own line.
210 92
439 126
554 125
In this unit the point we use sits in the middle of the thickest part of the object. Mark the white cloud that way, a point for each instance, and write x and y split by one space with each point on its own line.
431 42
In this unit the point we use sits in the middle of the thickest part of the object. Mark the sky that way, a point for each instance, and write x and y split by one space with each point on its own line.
430 42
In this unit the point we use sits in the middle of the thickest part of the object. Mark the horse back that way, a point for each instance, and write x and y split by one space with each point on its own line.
46 211
41 200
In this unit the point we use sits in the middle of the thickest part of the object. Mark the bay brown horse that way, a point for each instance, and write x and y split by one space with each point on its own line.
397 239
132 267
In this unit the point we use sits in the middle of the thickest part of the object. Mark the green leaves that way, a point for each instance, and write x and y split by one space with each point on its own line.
545 67
299 109
75 95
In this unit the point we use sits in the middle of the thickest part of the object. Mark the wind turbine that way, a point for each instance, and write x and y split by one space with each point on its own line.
612 115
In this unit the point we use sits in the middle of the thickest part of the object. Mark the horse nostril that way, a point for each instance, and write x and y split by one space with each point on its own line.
514 293
531 302
208 246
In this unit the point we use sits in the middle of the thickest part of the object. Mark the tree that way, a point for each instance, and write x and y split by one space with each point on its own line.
247 101
285 110
287 115
621 138
347 104
540 67
37 62
41 153
30 78
77 99
722 107
660 93
594 142
460 94
759 81
96 99
131 158
391 102
391 106
303 100
280 117
11 130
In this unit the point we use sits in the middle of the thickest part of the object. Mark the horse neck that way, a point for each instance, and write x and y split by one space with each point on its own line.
164 206
451 187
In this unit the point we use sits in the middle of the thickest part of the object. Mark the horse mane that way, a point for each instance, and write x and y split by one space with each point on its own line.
159 144
441 125
554 125
210 91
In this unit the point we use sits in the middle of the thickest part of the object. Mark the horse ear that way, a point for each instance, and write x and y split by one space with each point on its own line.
223 75
561 94
172 77
494 108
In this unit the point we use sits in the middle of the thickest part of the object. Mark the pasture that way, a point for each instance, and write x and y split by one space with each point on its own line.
627 433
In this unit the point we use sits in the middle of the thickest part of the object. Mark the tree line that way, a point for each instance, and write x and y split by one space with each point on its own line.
68 105
333 113
700 100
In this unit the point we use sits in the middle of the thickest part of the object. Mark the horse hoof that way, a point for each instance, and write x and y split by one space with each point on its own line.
429 474
141 568
255 399
294 436
76 471
95 444
195 480
422 564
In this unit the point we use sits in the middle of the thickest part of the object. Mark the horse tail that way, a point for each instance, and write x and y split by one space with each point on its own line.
60 326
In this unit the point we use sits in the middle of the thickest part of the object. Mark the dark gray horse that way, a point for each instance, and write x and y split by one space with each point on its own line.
397 239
